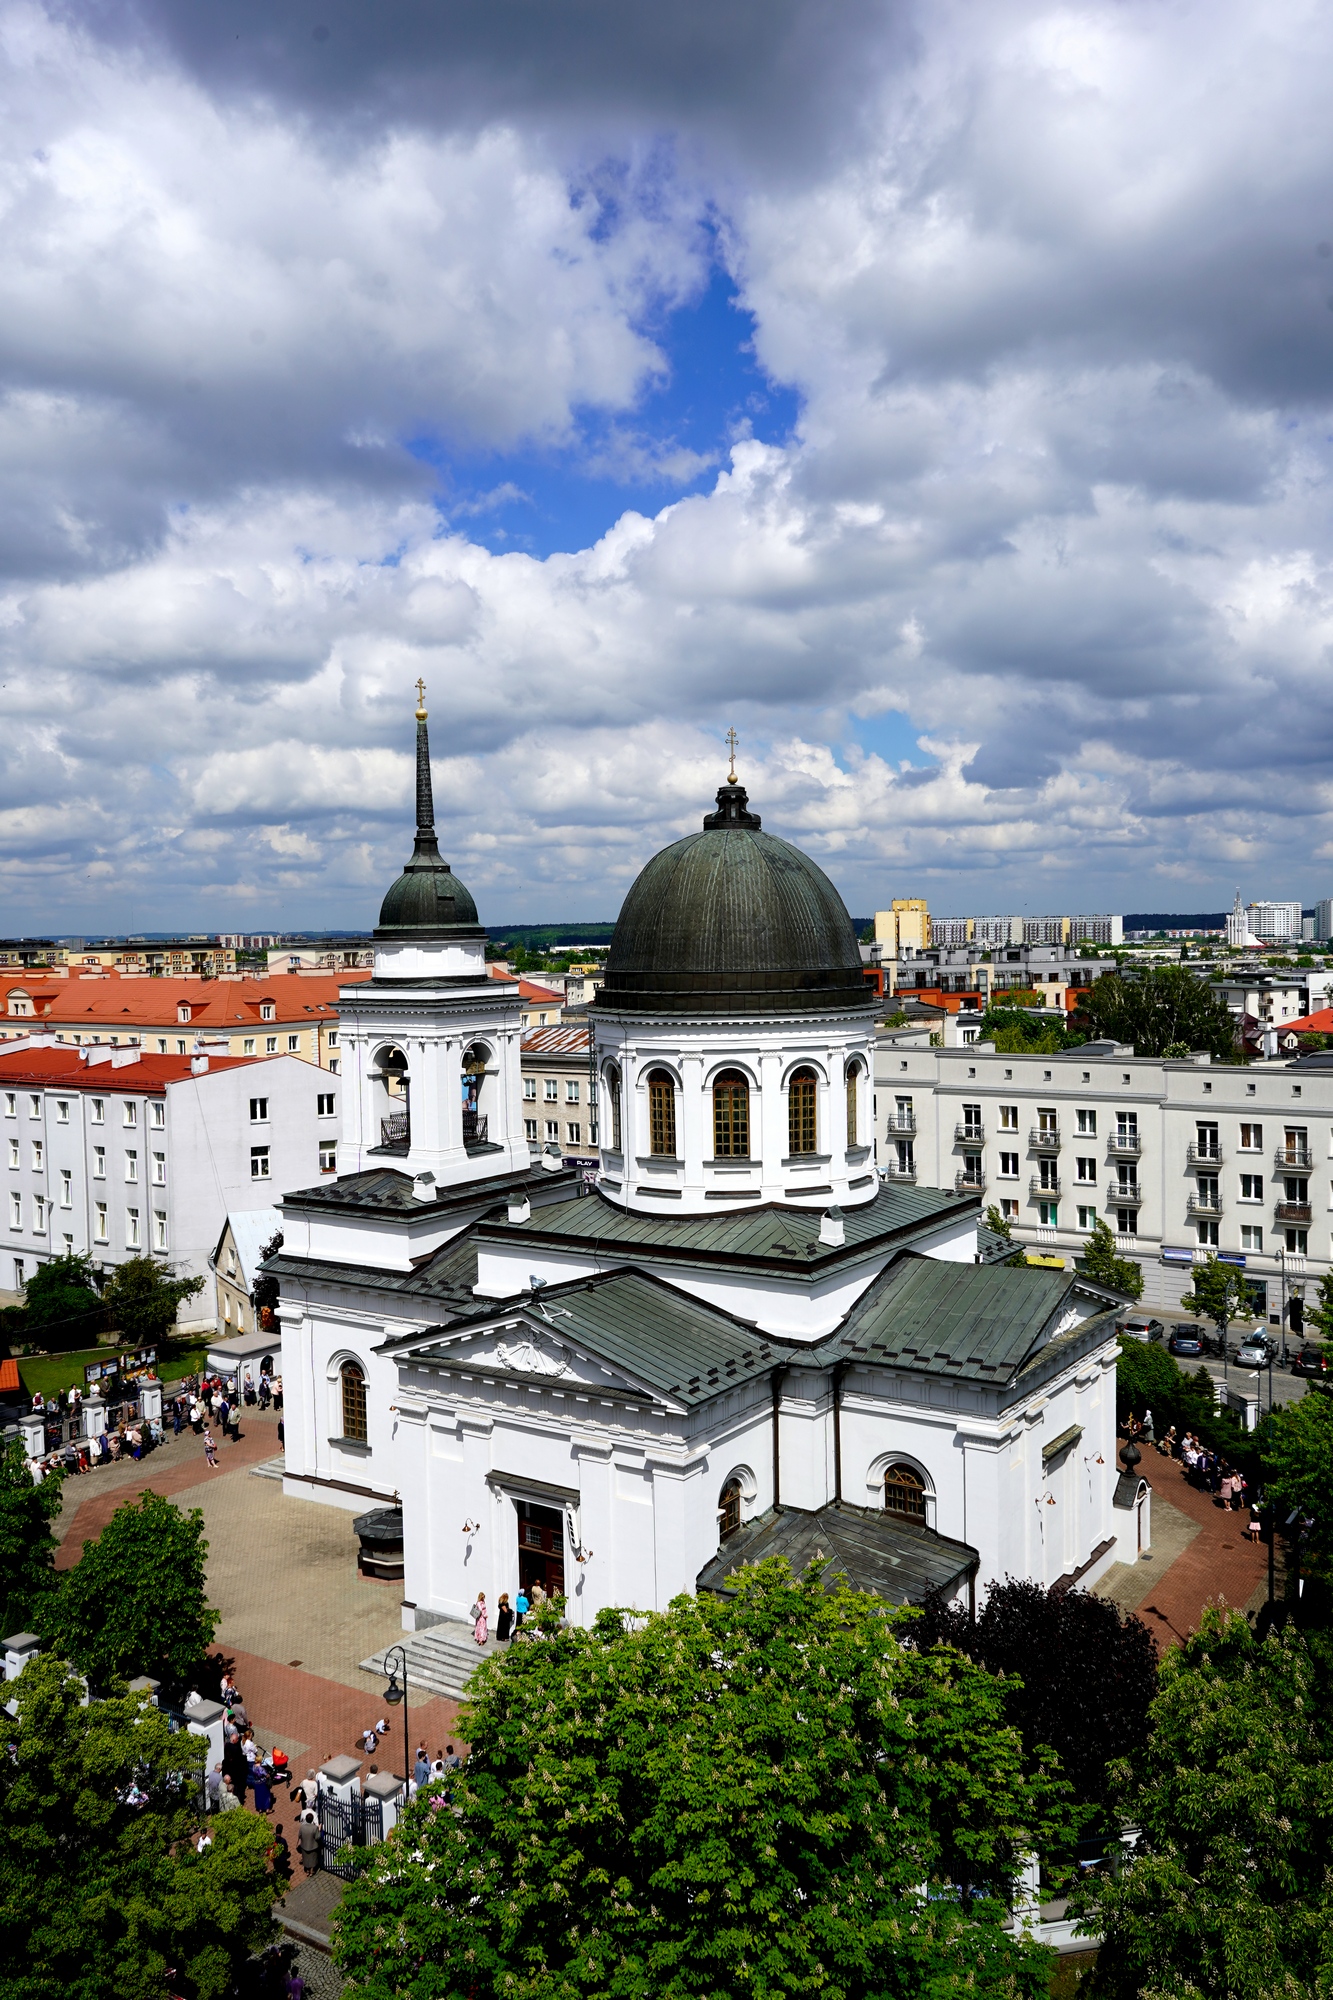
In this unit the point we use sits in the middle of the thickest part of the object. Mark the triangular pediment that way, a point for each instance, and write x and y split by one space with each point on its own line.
529 1348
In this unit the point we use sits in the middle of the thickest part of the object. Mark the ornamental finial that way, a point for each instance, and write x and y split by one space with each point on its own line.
421 701
731 739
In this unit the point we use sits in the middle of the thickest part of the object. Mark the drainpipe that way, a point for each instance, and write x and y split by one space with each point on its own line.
839 1374
779 1377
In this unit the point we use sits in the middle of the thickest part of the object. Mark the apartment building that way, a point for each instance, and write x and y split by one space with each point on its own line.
118 1153
1178 1158
271 1014
1050 975
560 1093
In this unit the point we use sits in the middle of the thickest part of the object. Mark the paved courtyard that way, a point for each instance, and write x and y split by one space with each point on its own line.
1200 1554
296 1613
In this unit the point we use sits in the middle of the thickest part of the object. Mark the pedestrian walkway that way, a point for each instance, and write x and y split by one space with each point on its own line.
1216 1561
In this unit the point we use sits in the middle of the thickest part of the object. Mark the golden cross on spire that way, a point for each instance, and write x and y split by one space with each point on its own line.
421 701
731 740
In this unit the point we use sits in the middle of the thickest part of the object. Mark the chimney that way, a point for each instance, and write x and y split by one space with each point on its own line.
832 1229
520 1208
551 1160
198 1065
423 1187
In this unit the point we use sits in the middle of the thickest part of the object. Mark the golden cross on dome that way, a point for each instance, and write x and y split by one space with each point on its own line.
421 701
731 740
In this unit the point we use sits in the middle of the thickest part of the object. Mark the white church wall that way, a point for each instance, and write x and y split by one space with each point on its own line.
320 1462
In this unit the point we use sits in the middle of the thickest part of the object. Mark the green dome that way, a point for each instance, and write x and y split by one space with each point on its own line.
733 921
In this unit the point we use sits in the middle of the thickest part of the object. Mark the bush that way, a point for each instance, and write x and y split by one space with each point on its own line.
63 1309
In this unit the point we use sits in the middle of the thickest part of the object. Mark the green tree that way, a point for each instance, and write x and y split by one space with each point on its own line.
1320 1315
1219 1294
1016 1033
1000 1225
141 1300
1298 1466
62 1307
100 1896
1103 1263
1158 1007
759 1796
27 1546
134 1603
1228 1892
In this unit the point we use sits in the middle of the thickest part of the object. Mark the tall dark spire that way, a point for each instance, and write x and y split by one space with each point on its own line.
426 844
428 900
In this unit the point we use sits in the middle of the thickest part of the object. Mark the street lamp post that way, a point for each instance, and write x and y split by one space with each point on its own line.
393 1694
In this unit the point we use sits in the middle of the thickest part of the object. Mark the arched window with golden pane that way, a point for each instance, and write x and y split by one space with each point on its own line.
662 1113
731 1116
354 1402
853 1103
905 1493
729 1508
802 1120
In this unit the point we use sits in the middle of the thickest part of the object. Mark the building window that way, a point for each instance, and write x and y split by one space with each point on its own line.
62 1111
35 1107
529 1087
328 1156
259 1111
99 1222
14 1159
1049 1212
1207 1232
332 1038
248 1045
905 1493
99 1163
550 1088
16 1211
1127 1221
553 1131
802 1096
1087 1123
729 1509
661 1113
1009 1209
159 1229
161 1045
1008 1166
613 1086
267 1011
159 1115
592 1131
573 1133
1085 1170
98 1110
37 1156
333 1069
1087 1218
853 1082
131 1113
270 1045
530 1130
1251 1138
1250 1237
159 1170
259 1163
1298 1241
180 1048
571 1091
132 1229
1251 1187
731 1116
131 1166
324 1104
11 1103
39 1214
66 1189
1008 1117
354 1402
592 1090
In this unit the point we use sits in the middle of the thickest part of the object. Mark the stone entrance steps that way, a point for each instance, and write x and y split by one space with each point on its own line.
440 1660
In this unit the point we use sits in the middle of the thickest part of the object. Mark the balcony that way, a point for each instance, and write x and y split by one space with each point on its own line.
1204 1156
969 1183
969 1135
1297 1159
1204 1204
1044 1139
395 1131
1124 1194
475 1127
903 1171
1124 1145
901 1125
1043 1190
1293 1211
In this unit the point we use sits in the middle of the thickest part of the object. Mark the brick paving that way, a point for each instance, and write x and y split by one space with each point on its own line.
296 1615
1218 1564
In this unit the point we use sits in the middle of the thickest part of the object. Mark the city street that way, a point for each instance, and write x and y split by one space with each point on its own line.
1286 1387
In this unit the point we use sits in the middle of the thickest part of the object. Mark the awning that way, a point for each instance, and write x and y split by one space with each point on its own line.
1061 1444
9 1377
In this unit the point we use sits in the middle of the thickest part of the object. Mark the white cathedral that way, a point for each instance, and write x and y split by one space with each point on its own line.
739 1341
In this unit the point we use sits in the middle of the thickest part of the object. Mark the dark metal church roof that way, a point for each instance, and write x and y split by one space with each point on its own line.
869 1550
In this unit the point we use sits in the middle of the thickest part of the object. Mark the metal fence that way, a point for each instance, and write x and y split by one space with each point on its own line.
346 1824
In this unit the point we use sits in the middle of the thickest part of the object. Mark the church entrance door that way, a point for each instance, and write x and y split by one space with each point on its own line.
541 1548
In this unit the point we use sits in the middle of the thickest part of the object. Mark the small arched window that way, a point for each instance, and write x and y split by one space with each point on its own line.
613 1092
731 1116
802 1093
853 1078
661 1113
729 1508
905 1493
354 1402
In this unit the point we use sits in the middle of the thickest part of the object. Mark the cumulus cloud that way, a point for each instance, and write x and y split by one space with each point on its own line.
1034 606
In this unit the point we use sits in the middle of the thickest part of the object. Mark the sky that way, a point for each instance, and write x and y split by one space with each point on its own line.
939 395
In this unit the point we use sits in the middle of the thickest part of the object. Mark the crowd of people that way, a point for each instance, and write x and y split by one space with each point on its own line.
206 1404
508 1617
1203 1467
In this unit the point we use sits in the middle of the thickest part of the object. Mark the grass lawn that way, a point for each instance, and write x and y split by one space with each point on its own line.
53 1372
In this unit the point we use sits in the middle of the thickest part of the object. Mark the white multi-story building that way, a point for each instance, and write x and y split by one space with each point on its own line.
1178 1158
113 1153
1274 923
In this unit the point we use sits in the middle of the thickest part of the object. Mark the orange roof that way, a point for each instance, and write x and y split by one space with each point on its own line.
1318 1023
68 1067
9 1377
564 1040
112 1000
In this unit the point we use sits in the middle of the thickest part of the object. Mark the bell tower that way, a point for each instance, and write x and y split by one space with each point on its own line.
431 1042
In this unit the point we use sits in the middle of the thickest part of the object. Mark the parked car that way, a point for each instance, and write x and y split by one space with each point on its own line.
1310 1361
1186 1339
1140 1326
1255 1351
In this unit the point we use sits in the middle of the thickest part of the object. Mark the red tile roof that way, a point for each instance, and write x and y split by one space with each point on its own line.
1318 1023
571 1040
299 999
65 1067
9 1377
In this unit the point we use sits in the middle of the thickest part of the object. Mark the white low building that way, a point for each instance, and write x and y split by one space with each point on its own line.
118 1153
740 1340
